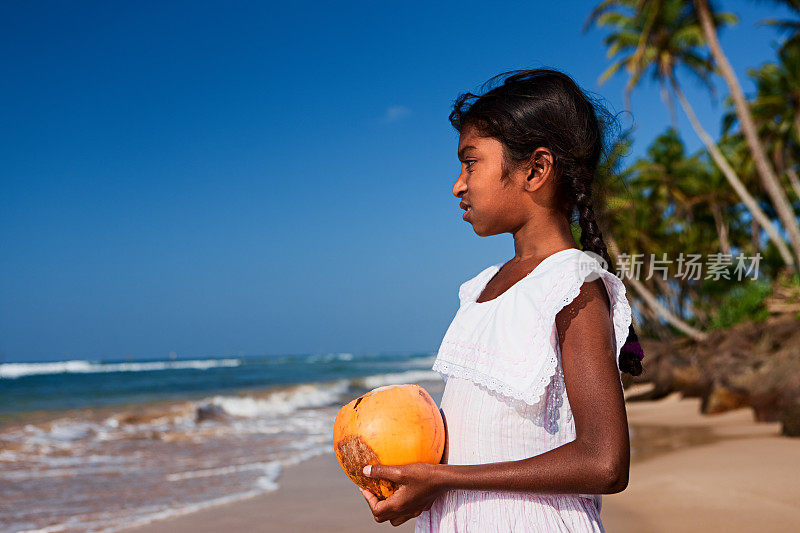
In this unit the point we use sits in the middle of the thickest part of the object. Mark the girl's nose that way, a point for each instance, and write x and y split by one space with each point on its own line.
460 186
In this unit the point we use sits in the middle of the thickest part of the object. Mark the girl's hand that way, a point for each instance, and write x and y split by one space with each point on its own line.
418 488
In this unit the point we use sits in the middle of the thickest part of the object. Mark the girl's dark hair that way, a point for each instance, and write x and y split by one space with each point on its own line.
546 108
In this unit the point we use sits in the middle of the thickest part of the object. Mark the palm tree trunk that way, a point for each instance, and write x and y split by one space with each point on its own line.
749 202
700 314
797 124
673 115
755 234
652 302
722 228
768 177
661 331
794 180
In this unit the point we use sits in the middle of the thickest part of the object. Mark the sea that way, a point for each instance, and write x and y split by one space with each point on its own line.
108 445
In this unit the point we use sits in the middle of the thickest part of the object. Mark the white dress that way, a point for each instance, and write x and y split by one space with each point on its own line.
504 397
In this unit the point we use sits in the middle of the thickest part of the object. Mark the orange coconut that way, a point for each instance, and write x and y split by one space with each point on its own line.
392 425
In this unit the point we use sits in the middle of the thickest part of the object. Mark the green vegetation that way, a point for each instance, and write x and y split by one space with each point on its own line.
738 197
744 302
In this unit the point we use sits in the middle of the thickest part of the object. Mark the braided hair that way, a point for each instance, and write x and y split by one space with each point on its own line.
546 108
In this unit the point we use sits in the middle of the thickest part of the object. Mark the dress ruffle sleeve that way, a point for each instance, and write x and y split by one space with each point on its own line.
509 345
568 287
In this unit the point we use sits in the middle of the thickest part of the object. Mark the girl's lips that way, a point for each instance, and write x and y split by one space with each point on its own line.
466 213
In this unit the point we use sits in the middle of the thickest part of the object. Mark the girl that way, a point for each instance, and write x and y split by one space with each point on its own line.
533 399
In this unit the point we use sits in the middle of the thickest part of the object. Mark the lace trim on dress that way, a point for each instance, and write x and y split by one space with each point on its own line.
530 397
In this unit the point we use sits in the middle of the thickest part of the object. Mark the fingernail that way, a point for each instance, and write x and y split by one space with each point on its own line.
367 470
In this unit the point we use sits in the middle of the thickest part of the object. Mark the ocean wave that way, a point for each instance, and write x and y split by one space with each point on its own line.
271 470
308 395
16 370
282 402
424 361
398 378
327 358
240 443
264 412
268 482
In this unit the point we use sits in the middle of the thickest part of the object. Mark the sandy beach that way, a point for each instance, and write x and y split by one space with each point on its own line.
689 473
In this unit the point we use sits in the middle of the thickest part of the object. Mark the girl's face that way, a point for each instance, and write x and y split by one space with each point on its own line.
492 205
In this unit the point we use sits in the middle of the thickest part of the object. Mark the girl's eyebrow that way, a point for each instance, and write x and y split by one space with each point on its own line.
464 149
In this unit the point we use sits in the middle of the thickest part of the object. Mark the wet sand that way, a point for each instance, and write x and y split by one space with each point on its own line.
734 474
689 473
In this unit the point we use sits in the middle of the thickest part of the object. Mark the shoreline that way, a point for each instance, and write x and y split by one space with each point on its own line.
67 470
690 472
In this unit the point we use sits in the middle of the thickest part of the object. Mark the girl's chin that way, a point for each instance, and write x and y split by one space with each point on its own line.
479 231
467 216
483 231
476 226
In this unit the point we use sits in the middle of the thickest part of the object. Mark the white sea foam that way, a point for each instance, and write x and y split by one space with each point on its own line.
16 370
410 376
266 483
61 434
425 362
311 395
48 529
326 358
283 402
271 469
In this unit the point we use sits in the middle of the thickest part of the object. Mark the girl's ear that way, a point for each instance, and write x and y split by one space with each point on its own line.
541 166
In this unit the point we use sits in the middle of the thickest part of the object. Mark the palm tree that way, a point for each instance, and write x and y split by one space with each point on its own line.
721 202
776 110
621 205
686 187
659 36
769 179
790 26
652 301
635 39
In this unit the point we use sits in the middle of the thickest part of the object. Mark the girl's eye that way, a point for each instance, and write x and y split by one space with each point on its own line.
469 164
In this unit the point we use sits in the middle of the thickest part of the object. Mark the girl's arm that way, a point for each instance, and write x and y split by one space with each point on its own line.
596 462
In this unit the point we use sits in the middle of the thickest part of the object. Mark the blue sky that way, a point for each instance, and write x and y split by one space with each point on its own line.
222 178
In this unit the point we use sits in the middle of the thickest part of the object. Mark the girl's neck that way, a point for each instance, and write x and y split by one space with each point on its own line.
541 237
